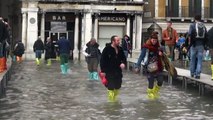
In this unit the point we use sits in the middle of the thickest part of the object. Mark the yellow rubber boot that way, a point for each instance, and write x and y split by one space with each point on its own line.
37 61
150 94
156 90
49 62
57 58
111 95
212 71
116 91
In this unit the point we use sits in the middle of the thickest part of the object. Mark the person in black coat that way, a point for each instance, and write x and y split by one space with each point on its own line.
210 45
112 62
48 51
38 48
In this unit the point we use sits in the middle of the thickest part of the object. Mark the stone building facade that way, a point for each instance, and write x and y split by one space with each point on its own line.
79 21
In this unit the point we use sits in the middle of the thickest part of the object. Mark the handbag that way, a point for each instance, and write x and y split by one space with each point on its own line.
152 67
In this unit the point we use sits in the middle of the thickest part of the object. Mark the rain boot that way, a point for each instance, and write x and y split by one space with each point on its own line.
57 58
95 75
49 62
66 67
212 71
156 90
150 94
90 75
14 58
116 91
111 95
37 61
63 69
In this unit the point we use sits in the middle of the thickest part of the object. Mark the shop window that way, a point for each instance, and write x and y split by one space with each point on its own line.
194 7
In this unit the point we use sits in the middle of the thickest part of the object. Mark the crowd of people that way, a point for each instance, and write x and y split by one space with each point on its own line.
113 58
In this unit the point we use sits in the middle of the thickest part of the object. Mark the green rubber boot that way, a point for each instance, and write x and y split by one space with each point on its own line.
66 67
63 69
95 76
90 75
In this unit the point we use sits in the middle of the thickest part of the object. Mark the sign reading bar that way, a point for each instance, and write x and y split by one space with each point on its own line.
61 17
58 18
112 19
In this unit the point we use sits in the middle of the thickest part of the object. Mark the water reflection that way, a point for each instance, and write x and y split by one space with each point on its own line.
44 94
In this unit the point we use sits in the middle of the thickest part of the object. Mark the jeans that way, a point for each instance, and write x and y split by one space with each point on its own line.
196 55
151 79
38 53
141 57
126 53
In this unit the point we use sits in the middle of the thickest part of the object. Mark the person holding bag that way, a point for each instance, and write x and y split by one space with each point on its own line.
152 53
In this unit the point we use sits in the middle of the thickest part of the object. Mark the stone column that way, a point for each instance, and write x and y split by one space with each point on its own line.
138 31
76 51
156 8
128 26
43 26
88 27
32 31
24 27
134 33
202 9
96 27
180 8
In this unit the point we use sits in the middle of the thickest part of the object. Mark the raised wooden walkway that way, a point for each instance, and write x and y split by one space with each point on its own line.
184 76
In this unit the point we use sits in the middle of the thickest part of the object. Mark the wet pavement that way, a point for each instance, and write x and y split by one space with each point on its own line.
43 93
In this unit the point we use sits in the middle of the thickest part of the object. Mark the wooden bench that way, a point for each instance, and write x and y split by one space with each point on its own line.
185 76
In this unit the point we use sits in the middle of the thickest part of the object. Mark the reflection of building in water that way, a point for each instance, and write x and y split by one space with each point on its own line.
79 21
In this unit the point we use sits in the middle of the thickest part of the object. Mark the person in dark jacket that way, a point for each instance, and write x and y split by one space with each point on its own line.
112 62
92 53
64 51
210 45
126 45
38 48
48 51
18 51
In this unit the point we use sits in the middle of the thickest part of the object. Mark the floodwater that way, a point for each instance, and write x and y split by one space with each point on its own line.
43 93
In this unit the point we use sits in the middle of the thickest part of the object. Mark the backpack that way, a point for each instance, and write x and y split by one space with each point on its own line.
200 30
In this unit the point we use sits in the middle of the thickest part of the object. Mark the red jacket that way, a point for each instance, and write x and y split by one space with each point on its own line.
170 41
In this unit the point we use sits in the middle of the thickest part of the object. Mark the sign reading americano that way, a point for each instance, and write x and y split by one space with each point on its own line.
112 19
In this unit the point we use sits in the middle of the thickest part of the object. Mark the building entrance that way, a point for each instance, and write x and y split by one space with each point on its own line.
55 37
